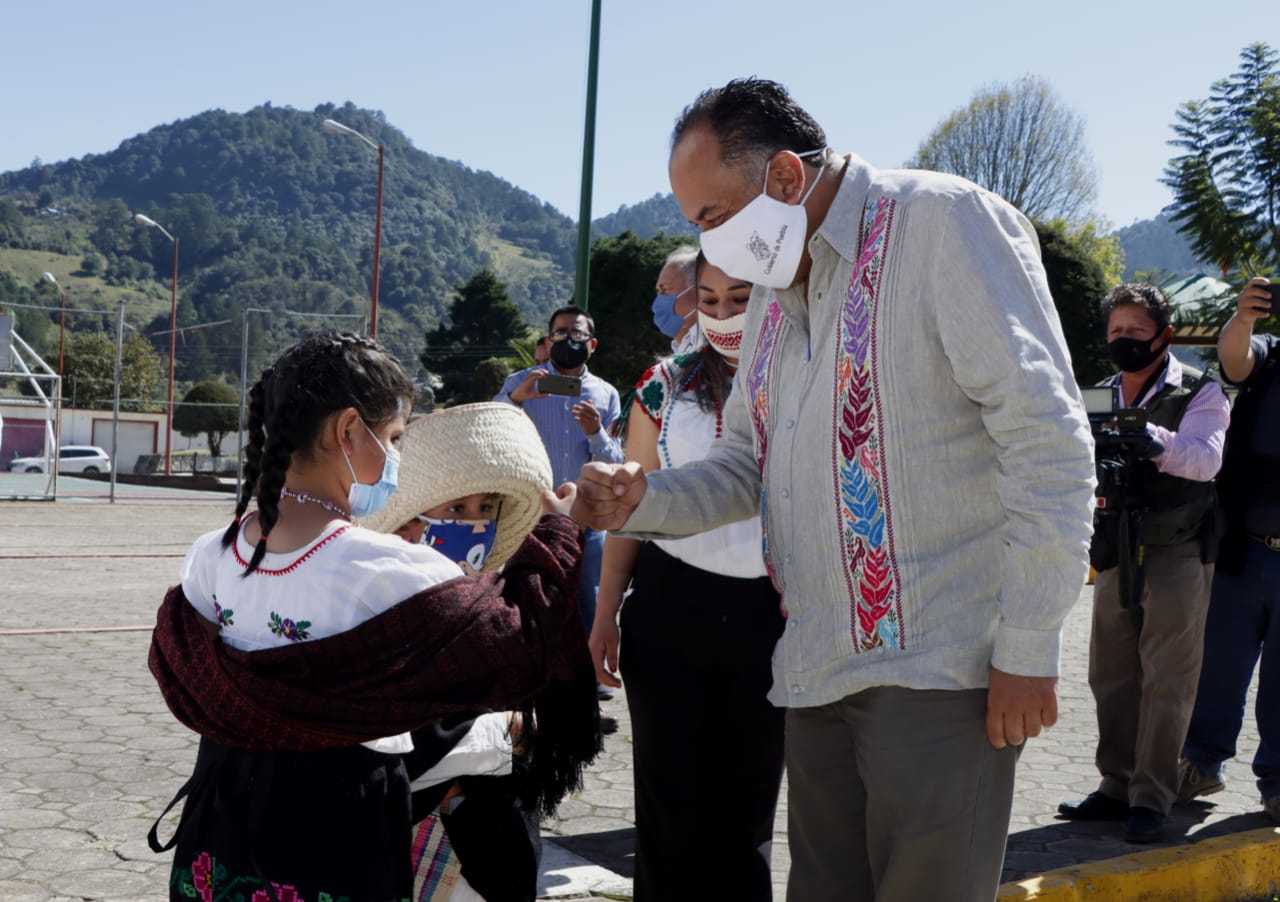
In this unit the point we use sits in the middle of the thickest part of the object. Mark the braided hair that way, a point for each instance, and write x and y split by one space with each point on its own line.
325 372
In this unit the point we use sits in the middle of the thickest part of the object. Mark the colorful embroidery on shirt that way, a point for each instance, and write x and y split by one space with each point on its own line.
757 384
209 881
302 559
223 615
758 377
866 538
653 394
287 629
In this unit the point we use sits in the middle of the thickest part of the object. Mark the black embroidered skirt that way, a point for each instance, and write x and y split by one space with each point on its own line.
288 826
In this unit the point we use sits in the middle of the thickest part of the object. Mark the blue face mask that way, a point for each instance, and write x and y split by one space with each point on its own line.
364 499
665 316
462 541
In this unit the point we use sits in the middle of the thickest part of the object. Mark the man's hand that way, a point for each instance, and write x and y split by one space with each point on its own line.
1019 706
528 388
608 493
587 416
1254 302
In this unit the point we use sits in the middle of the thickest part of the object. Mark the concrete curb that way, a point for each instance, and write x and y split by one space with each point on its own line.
1223 869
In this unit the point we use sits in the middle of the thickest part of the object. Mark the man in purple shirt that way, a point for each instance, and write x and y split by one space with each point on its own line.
1148 624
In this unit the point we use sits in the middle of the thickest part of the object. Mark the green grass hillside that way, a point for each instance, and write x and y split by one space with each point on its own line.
84 291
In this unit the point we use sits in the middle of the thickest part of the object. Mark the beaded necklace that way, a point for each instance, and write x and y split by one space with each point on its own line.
666 419
304 498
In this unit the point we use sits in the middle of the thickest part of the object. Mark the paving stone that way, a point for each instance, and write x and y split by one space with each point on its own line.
90 812
22 891
35 765
48 838
28 818
71 860
91 884
62 779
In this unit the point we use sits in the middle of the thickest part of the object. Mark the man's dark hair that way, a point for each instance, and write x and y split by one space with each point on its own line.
752 118
1140 294
571 310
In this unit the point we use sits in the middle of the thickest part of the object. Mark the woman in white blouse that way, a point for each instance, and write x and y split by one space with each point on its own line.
697 633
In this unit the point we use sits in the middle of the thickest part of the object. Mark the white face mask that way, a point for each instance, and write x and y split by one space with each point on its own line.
763 242
725 335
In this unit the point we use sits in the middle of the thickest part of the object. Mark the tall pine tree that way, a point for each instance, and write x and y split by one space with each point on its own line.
482 323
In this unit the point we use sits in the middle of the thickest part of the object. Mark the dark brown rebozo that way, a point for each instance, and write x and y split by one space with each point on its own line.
513 640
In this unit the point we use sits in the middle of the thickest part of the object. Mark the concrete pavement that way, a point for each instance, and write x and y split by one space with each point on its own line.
89 755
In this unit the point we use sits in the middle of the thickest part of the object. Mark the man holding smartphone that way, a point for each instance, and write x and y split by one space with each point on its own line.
572 410
1244 609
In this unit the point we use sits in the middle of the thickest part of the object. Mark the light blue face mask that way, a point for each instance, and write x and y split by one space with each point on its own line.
665 316
461 541
364 499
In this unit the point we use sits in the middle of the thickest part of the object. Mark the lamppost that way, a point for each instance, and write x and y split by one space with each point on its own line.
62 318
582 288
173 340
332 125
62 340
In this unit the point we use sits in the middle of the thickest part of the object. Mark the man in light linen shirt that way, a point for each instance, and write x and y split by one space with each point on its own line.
907 426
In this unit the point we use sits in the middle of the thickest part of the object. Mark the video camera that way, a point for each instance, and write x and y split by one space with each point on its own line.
1121 445
1120 440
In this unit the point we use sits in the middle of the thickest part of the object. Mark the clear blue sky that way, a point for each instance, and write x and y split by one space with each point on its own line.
501 85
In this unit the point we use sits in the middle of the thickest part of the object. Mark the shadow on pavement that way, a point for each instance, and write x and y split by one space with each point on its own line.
1065 843
612 849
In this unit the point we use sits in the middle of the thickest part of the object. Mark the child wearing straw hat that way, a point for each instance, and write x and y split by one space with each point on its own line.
471 481
462 529
482 465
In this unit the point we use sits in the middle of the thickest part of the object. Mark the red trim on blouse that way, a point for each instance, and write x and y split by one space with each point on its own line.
235 550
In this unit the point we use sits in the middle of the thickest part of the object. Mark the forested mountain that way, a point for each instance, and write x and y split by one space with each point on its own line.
1155 245
659 213
271 211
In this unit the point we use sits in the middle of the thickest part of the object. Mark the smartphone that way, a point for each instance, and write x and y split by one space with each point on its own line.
561 385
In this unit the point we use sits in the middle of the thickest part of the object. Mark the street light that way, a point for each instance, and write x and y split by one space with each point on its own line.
62 340
62 320
173 339
337 128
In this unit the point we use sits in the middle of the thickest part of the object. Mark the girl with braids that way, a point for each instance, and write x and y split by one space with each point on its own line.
304 648
697 635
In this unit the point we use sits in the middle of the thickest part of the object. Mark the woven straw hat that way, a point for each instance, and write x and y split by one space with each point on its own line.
466 450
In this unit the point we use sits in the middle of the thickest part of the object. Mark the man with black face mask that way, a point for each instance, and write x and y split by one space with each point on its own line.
1144 660
574 428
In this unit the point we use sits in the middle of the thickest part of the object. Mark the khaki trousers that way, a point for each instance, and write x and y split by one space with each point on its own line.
895 795
1144 678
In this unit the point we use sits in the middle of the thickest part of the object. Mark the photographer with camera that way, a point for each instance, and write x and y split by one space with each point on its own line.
573 410
1243 621
1153 548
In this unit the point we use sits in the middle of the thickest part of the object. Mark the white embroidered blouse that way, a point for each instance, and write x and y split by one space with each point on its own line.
348 575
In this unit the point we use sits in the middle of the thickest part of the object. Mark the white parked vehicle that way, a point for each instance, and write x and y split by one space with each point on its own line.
71 459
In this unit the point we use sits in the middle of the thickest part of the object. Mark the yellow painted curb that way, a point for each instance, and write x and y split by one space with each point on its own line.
1222 869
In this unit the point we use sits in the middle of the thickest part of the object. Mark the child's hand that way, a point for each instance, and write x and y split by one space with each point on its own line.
561 500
